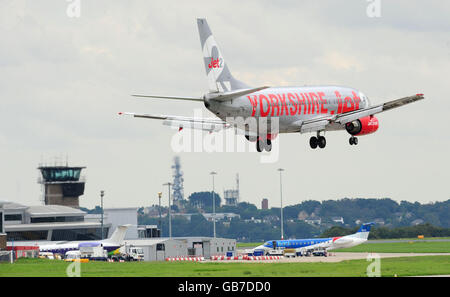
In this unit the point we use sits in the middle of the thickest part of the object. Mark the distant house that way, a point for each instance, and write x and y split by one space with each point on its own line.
302 215
188 216
220 216
379 221
313 220
270 219
152 211
253 220
338 220
417 222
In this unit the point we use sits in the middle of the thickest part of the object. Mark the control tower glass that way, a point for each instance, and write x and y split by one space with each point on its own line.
61 174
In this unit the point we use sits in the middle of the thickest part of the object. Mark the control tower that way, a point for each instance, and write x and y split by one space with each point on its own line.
62 185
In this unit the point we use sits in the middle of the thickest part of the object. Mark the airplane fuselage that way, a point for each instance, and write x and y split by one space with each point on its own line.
75 245
292 105
313 243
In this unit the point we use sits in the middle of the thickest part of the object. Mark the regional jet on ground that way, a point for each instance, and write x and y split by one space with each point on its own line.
320 243
110 244
296 109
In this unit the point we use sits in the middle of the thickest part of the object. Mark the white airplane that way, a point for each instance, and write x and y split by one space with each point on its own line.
295 109
320 243
109 244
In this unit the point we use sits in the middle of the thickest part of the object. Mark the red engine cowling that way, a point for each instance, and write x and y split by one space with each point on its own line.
272 136
362 126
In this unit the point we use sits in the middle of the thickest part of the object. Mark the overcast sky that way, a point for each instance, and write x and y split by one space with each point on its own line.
64 78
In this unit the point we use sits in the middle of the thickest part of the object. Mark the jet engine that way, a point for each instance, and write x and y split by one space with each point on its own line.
362 126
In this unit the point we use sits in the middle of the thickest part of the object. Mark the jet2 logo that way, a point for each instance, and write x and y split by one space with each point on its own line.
215 63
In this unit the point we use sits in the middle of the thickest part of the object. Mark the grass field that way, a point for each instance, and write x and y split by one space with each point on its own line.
406 266
401 247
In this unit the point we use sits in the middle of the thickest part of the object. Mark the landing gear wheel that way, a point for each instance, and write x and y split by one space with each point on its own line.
263 145
313 142
251 138
353 140
321 142
259 145
268 146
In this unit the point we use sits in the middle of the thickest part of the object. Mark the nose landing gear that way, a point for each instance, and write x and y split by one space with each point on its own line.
353 140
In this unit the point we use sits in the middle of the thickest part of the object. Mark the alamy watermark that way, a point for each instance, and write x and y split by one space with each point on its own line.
74 268
73 8
374 268
373 10
238 135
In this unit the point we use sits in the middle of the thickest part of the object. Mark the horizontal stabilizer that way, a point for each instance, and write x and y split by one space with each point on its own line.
170 97
226 96
205 124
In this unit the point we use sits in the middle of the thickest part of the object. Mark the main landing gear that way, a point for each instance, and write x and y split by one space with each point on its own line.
318 141
321 142
263 144
353 140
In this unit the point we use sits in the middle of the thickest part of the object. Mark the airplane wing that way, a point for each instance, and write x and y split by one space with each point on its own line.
180 122
357 114
341 119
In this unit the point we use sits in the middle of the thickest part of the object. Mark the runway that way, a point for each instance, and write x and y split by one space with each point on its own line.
336 257
344 256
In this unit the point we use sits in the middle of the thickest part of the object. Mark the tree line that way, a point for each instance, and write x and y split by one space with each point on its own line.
382 232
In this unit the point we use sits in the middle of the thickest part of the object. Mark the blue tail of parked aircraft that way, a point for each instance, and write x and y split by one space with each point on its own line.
365 227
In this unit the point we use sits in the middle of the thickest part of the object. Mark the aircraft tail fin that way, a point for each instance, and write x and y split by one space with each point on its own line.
119 234
363 231
217 71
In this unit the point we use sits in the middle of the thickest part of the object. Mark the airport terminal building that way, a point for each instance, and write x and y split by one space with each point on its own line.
49 223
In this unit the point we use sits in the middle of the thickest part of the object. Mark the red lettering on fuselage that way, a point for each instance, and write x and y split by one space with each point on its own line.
261 105
301 102
291 104
307 103
348 105
274 104
323 101
356 99
314 102
284 107
254 103
339 100
294 106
